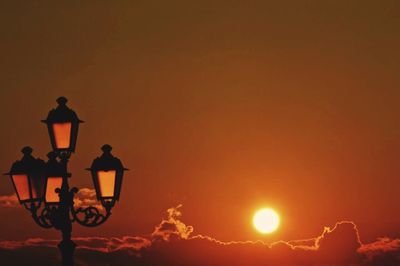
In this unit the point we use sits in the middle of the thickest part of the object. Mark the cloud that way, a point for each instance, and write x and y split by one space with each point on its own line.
9 201
31 242
174 243
172 226
84 198
384 251
100 244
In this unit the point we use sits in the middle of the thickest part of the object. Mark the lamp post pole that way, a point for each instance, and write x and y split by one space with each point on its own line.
43 189
66 246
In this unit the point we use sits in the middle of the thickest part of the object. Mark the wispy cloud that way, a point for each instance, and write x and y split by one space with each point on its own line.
172 226
173 242
382 251
9 201
84 198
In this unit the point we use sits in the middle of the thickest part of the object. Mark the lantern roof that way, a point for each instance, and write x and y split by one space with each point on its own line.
107 161
62 113
28 164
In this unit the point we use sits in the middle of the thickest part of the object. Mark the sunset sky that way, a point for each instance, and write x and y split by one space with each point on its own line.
224 107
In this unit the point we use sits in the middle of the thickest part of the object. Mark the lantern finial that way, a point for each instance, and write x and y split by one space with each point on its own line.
106 148
62 100
27 150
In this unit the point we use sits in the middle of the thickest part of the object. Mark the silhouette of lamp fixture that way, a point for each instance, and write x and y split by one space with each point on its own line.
43 189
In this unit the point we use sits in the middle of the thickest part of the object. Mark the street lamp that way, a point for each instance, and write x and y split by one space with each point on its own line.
27 176
43 189
107 172
63 124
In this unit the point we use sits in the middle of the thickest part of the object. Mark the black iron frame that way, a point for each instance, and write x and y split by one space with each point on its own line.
61 215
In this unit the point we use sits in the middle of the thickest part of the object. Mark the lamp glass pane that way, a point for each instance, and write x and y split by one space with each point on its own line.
62 135
107 183
22 186
52 184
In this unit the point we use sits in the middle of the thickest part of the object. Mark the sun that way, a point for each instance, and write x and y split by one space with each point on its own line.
266 220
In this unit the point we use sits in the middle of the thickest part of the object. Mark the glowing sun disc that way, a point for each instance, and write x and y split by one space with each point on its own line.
266 221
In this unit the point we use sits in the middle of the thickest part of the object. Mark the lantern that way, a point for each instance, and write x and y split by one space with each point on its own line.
62 124
28 178
107 173
55 173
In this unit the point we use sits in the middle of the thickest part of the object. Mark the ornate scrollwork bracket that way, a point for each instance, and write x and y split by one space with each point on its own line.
50 215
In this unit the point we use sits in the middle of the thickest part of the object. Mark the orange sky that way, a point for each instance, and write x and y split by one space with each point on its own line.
221 107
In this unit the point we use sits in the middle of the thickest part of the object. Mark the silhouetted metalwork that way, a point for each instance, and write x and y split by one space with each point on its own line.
43 189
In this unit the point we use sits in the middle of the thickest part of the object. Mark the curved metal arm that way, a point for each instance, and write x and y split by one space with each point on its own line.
44 217
48 216
91 216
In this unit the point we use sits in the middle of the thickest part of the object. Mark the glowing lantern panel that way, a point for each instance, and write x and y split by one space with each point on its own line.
62 135
107 183
21 183
52 184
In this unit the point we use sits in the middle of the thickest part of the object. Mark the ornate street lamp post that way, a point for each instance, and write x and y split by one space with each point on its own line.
43 189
